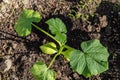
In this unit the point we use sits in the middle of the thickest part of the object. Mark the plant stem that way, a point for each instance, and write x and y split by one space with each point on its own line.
68 47
60 50
40 29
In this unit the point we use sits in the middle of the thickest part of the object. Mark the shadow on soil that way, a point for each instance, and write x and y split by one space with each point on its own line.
74 37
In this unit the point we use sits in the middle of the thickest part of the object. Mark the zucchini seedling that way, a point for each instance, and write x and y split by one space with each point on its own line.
91 60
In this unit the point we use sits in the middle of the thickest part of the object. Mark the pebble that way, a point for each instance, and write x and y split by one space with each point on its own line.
103 21
8 63
6 1
89 28
0 77
118 13
14 45
5 64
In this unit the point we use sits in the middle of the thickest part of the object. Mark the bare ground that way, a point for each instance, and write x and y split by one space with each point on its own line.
22 52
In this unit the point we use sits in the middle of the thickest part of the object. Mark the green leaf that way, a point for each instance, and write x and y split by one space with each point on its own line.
92 61
61 37
58 28
49 48
23 25
41 72
67 53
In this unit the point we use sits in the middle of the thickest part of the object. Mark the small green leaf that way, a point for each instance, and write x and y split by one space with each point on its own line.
67 53
41 72
58 28
23 25
92 61
49 48
61 37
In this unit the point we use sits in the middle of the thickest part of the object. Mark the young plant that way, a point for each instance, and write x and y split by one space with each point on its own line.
91 60
84 9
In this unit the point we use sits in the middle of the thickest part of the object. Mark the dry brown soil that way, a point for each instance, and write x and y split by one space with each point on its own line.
18 54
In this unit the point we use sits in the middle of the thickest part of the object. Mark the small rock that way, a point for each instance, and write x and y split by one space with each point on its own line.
89 28
59 74
2 53
26 3
14 77
9 50
8 63
1 14
0 77
5 64
14 45
98 29
103 21
6 1
76 76
118 13
95 35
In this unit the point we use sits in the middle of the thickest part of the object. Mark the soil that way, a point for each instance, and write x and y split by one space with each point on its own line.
18 54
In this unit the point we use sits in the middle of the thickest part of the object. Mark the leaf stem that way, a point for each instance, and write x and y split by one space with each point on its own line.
68 47
60 50
40 29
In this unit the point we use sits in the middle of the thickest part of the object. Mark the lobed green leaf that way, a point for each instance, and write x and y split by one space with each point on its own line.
58 28
41 72
92 61
23 25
